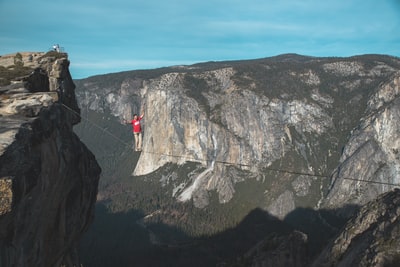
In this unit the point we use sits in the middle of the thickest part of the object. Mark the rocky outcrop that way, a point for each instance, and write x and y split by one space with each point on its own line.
370 238
48 178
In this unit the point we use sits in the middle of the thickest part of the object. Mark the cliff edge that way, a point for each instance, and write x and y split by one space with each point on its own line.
48 178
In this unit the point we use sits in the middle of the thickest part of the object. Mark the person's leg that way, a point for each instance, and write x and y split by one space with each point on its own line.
139 142
136 140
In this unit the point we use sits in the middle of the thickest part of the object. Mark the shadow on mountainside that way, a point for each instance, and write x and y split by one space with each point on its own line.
122 239
318 225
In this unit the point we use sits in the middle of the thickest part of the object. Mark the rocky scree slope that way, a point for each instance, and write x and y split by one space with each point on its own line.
276 121
48 178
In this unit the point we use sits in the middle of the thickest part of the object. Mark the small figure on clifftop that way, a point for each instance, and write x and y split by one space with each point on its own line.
137 130
56 47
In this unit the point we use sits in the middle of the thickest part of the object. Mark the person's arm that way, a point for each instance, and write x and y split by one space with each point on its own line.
141 116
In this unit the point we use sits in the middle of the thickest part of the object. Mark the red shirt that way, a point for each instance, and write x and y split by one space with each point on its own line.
136 125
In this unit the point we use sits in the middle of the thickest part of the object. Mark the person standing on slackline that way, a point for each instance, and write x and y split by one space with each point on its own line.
137 131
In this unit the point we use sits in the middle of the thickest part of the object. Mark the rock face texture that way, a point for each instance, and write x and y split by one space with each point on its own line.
370 163
301 126
48 178
370 238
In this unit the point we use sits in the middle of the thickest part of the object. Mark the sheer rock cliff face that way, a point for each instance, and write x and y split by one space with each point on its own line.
48 178
275 120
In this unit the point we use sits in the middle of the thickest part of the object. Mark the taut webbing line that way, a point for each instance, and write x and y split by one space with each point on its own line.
226 162
95 125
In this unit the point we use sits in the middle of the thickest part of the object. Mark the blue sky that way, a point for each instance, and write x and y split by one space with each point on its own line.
103 36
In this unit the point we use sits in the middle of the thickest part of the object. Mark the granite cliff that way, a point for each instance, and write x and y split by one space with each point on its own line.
370 162
48 178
